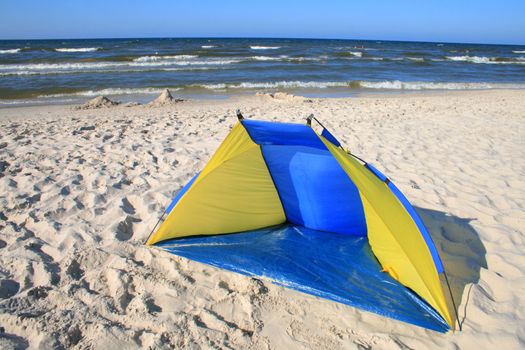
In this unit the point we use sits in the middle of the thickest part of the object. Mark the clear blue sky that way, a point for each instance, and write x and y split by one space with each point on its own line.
481 21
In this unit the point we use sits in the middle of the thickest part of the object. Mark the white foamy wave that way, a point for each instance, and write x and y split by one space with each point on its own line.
416 59
356 53
208 46
178 69
400 85
79 49
34 102
178 62
265 47
105 65
306 59
163 58
57 66
482 59
519 51
291 84
211 86
273 85
385 85
473 59
268 58
124 70
112 91
10 51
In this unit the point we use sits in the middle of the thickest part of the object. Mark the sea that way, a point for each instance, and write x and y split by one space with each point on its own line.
68 71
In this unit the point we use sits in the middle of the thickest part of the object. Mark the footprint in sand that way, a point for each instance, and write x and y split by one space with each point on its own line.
125 228
74 270
8 288
127 207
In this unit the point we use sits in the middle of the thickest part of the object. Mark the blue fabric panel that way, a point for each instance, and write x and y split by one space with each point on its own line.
424 232
271 133
181 193
376 172
328 135
332 266
314 190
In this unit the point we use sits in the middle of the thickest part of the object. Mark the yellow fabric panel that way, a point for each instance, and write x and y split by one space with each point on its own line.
237 142
233 193
393 235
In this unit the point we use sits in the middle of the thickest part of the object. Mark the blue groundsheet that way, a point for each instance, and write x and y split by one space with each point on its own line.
333 266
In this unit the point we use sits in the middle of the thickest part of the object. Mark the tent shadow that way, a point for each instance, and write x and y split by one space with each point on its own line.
461 250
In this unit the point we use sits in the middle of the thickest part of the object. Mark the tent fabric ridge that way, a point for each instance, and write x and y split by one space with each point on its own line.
265 162
430 239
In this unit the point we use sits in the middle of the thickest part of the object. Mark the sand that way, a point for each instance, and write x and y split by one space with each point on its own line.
80 191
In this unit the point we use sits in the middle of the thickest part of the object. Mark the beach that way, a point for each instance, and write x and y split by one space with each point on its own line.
81 190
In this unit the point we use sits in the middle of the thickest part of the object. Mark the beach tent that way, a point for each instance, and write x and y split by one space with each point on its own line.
281 201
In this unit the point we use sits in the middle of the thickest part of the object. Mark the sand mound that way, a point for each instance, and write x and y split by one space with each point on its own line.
98 102
165 98
281 96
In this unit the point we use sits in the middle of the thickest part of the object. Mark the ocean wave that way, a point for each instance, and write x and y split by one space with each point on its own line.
33 102
163 58
208 46
112 91
152 69
349 54
518 51
190 62
416 59
10 51
307 59
398 59
359 84
485 60
355 84
142 61
268 58
401 85
274 85
105 65
79 49
265 47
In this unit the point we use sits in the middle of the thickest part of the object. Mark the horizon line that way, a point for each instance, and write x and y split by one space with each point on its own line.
262 37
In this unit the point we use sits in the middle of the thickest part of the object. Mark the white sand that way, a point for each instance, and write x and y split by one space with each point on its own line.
81 190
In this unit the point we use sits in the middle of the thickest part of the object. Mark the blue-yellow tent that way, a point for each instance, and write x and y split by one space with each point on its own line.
281 201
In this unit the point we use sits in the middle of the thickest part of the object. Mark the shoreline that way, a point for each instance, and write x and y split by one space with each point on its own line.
144 99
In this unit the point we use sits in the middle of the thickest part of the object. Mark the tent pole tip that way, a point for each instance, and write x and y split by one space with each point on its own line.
239 115
309 120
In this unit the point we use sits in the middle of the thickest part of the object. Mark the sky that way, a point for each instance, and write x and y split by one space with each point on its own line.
481 21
